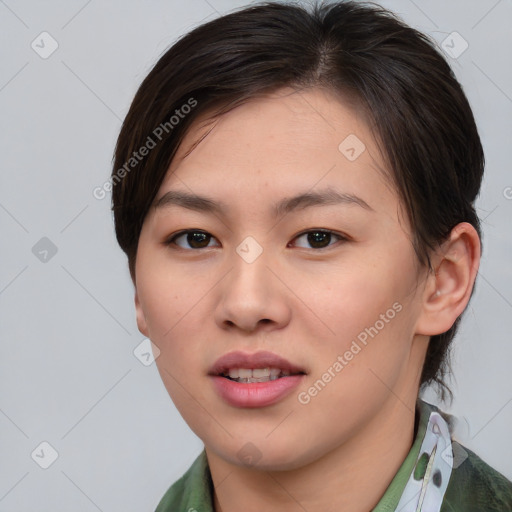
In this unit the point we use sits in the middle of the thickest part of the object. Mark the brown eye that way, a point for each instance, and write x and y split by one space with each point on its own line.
194 238
319 239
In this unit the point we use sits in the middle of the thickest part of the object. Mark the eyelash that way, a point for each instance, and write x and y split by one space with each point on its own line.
171 240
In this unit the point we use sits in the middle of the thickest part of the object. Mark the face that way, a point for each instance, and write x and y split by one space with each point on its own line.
298 262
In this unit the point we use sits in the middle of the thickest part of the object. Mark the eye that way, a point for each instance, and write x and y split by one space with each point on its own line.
320 238
195 238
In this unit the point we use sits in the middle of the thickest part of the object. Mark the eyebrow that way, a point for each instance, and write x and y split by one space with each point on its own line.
325 197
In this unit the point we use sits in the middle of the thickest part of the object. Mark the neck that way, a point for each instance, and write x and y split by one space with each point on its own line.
353 477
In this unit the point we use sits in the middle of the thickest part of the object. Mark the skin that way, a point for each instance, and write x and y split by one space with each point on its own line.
299 300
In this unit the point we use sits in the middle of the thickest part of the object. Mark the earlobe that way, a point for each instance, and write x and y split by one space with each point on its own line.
448 290
141 318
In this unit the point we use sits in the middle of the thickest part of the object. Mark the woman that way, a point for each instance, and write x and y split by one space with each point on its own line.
295 194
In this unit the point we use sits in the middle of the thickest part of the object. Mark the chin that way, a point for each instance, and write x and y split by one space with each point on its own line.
267 456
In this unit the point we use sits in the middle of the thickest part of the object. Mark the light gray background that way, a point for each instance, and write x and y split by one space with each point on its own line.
68 374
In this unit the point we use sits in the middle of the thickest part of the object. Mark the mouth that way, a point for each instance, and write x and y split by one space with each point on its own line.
254 380
258 367
251 375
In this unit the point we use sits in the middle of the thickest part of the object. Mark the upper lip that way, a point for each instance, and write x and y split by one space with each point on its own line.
261 359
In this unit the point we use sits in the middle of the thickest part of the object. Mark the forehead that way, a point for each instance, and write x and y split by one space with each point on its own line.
312 120
278 145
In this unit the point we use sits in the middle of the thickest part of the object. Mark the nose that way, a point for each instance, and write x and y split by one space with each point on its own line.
253 295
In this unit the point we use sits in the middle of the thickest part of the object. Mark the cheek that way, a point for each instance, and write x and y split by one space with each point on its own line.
164 292
355 299
186 391
169 309
370 311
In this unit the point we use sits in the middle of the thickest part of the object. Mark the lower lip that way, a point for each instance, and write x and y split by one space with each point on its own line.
255 394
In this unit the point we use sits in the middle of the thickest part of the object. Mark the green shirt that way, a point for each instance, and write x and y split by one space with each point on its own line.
473 486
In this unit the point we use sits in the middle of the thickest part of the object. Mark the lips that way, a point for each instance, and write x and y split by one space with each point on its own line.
254 380
258 360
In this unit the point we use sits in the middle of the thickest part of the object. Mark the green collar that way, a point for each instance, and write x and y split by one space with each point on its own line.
390 499
194 490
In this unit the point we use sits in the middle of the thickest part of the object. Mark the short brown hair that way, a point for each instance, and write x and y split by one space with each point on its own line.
414 105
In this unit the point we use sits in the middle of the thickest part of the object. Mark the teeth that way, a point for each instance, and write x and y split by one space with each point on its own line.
258 373
252 379
247 375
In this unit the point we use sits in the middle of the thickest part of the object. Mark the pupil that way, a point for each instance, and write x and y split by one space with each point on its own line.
197 237
318 236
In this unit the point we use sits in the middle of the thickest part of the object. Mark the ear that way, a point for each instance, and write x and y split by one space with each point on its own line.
141 318
448 290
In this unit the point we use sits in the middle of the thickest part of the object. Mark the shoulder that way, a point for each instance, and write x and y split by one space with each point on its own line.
190 492
475 486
